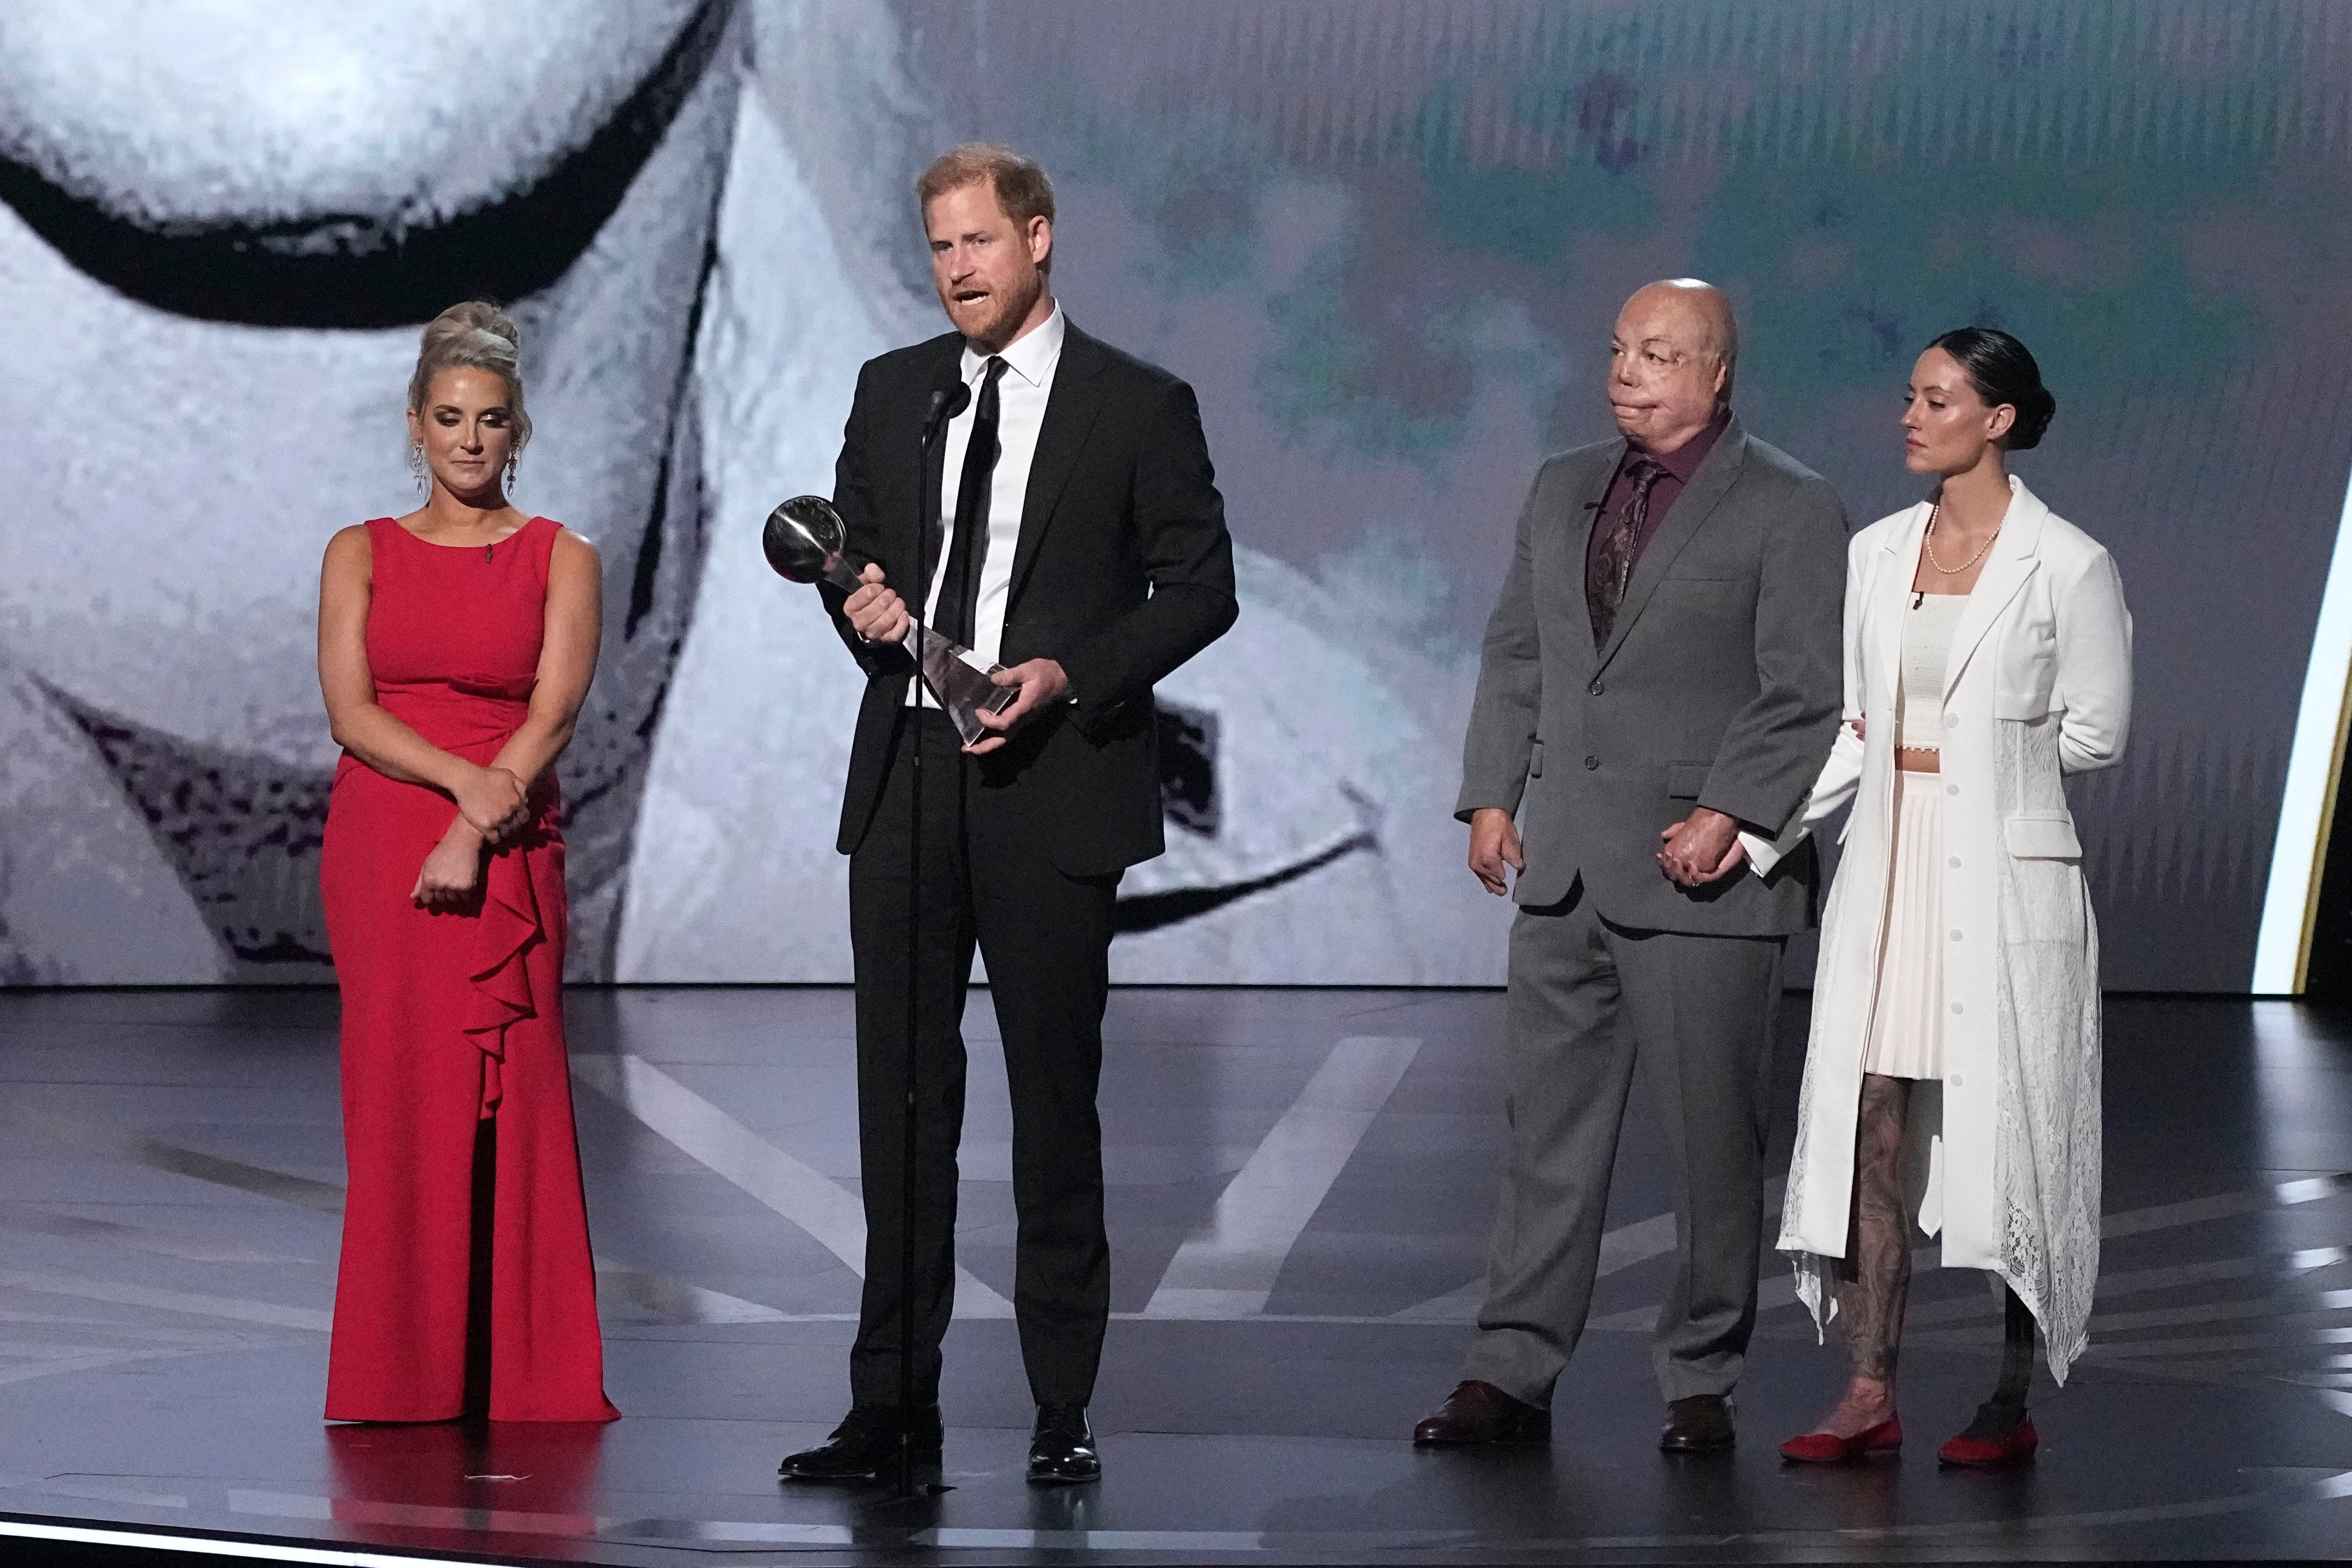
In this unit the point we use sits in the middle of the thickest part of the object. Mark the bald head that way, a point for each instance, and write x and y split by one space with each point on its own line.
1670 361
1694 311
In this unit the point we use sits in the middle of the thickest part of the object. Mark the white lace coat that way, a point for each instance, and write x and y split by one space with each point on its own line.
2039 685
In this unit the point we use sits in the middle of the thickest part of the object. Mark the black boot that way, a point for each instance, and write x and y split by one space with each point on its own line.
1062 1448
865 1444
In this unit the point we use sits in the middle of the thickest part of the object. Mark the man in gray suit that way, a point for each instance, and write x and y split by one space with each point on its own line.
1661 670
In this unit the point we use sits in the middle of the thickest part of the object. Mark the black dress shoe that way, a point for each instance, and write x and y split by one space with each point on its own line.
1062 1447
1477 1412
1699 1425
865 1444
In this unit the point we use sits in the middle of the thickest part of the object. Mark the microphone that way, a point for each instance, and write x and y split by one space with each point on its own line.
945 403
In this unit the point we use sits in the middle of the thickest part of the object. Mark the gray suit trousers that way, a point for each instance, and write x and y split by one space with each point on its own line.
1590 1005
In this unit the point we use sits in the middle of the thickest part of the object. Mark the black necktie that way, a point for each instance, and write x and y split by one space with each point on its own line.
1612 563
959 588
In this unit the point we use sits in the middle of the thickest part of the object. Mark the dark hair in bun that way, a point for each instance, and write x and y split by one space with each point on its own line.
2002 371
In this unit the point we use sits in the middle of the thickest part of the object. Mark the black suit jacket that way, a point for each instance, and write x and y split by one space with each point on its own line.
1123 571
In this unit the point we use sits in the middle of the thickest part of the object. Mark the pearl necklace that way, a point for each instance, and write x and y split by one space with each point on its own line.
1927 542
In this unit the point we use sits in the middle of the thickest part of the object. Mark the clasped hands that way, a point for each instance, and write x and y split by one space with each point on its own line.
493 805
1703 848
877 615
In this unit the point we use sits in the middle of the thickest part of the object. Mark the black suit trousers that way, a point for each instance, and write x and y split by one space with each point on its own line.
1046 937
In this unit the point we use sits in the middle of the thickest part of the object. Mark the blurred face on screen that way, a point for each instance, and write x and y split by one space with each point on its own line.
988 269
1667 375
231 196
1948 428
199 112
228 222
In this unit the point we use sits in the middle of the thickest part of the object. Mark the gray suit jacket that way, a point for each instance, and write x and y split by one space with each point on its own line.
1719 685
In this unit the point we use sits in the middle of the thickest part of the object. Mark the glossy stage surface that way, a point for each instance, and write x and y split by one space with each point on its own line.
1300 1187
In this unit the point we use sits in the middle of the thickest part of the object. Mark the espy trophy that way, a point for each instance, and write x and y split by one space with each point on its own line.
802 542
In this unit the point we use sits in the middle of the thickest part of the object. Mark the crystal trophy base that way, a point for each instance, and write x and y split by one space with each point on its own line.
802 542
958 680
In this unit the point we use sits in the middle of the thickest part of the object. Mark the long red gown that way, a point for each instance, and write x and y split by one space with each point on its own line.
452 1020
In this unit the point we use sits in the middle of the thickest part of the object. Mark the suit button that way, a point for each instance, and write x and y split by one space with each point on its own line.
1594 688
1592 762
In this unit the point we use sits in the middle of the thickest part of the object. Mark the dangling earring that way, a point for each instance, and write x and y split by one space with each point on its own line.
417 464
512 459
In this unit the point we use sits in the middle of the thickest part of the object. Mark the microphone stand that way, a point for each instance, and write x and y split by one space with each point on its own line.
944 407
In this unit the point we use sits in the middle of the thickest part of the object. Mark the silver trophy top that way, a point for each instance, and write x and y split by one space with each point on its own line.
803 540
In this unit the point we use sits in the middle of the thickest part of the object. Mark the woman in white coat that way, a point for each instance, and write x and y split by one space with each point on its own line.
1952 1076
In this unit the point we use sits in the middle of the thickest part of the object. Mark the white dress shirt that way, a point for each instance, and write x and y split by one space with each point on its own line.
1021 393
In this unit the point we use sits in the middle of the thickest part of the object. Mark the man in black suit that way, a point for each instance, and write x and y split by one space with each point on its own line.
1066 524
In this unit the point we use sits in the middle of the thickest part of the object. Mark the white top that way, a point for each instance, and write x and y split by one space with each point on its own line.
1021 392
1927 632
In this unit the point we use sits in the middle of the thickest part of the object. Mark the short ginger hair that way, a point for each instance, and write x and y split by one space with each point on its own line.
1022 189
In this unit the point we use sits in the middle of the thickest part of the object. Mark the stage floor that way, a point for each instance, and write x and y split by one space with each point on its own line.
1300 1184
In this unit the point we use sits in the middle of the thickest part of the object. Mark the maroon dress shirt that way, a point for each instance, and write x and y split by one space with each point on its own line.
1680 465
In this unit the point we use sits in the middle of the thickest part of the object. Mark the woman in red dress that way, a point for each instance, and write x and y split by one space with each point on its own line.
456 646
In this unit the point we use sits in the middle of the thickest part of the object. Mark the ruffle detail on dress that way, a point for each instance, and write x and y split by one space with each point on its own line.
509 926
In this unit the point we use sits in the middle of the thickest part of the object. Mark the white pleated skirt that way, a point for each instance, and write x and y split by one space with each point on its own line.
1906 1029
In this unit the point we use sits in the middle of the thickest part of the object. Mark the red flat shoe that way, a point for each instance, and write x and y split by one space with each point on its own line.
1981 1453
1827 1449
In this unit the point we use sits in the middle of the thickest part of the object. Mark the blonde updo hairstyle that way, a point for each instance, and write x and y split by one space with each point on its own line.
475 335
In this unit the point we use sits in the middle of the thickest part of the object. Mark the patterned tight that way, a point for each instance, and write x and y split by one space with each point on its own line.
1875 1279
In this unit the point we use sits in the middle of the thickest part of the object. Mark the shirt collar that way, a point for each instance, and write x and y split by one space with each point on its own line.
1032 356
1684 460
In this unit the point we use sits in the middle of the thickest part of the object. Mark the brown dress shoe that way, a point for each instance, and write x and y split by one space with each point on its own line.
1699 1425
1478 1412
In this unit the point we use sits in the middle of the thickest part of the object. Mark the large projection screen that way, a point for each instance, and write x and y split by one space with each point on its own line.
1384 242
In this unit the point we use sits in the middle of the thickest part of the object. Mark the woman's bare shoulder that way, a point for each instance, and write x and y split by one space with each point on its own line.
350 549
571 547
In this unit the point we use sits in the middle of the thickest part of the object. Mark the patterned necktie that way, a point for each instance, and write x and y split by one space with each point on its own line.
1612 563
959 588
